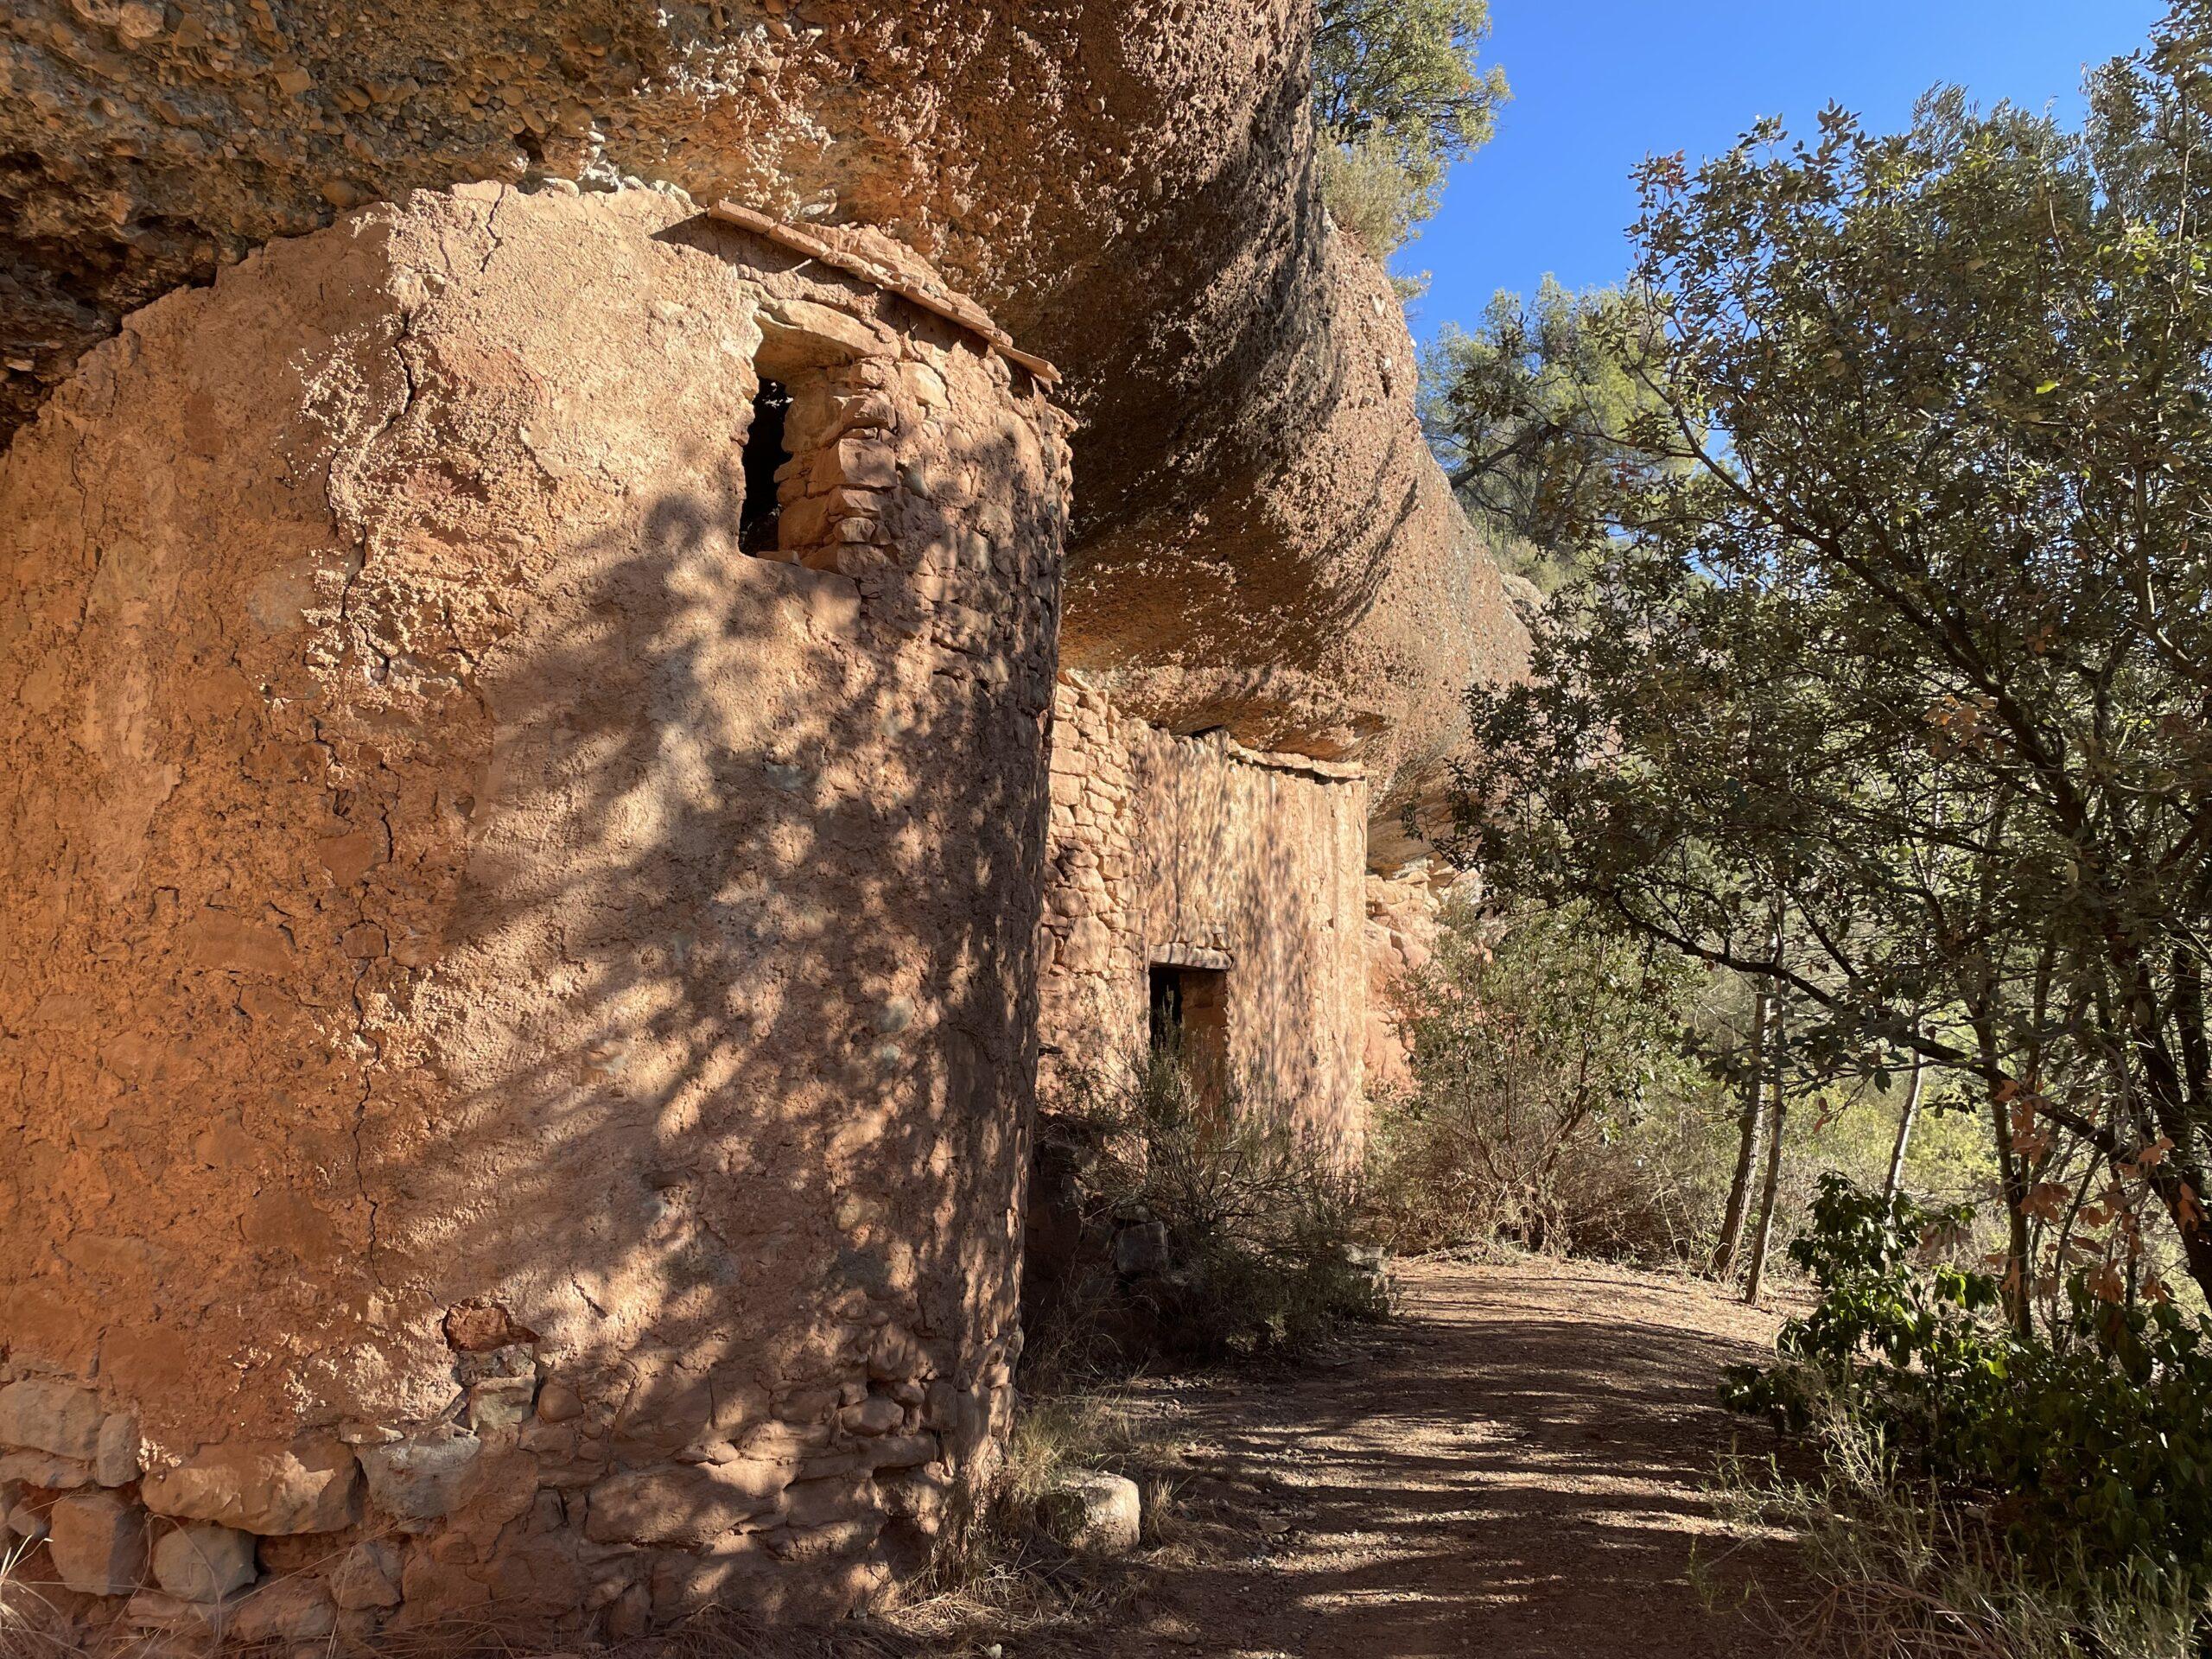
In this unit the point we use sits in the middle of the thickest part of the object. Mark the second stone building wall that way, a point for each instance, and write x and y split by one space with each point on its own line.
1175 851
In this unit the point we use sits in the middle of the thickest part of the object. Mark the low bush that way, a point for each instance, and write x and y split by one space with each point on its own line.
1551 1106
1398 99
1981 1486
1370 193
996 1544
1900 1569
1186 1222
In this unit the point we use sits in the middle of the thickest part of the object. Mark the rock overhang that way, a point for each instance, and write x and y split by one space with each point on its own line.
1261 541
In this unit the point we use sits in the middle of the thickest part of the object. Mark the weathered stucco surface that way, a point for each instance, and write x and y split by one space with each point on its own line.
444 1093
1264 541
1168 849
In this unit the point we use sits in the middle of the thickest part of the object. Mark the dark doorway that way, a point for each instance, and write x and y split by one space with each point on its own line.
760 521
1189 1016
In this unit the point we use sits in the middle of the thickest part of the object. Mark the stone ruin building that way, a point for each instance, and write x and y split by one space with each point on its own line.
568 755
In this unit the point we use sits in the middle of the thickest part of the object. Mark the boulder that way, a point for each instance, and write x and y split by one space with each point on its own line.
25 1523
311 1485
55 1417
558 1401
154 1609
877 1414
43 1469
418 1480
1093 1511
902 1451
283 1609
99 1543
1142 1250
687 1506
116 1461
368 1577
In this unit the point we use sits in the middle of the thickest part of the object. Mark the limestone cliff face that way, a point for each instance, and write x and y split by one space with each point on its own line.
1261 541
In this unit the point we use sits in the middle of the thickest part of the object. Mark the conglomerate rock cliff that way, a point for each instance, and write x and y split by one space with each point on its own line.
1261 541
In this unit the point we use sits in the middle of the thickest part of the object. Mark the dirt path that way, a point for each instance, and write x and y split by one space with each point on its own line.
1516 1468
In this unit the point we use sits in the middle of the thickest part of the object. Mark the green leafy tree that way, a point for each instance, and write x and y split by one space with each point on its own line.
1398 99
1903 619
1523 415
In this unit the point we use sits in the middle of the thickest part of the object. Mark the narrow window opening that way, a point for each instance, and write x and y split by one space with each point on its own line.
767 449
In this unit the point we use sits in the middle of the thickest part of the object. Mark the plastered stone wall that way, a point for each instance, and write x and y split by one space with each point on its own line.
516 1018
1196 850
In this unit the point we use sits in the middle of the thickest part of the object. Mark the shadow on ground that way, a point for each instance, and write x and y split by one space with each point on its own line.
1519 1467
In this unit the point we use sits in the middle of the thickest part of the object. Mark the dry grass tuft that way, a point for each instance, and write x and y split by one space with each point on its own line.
1002 1581
1897 1572
31 1626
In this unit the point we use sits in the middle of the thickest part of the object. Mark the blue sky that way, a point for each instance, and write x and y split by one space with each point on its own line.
1599 83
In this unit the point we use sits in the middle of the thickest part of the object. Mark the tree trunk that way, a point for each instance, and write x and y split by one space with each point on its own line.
1896 1178
1747 1145
1762 1240
2012 1181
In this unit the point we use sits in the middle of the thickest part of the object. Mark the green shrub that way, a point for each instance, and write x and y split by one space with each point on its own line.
1551 1105
1262 1253
1888 1567
1370 193
1398 99
2081 1458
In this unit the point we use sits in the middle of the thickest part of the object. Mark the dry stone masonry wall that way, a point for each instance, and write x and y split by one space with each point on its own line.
516 1018
1175 851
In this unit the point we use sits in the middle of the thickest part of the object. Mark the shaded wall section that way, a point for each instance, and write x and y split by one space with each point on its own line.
1196 852
516 1020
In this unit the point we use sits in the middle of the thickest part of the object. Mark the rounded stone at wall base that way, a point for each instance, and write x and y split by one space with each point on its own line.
204 1562
418 1480
368 1577
25 1523
44 1469
116 1461
311 1485
283 1609
99 1543
55 1417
